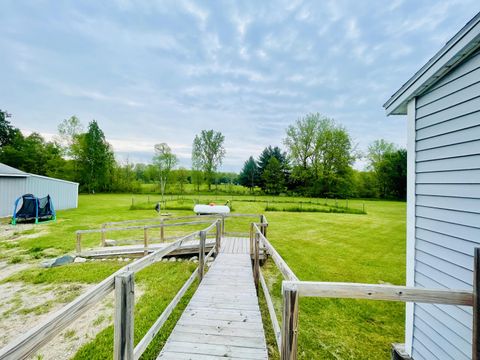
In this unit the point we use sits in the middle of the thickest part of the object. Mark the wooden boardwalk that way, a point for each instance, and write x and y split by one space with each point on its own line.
222 320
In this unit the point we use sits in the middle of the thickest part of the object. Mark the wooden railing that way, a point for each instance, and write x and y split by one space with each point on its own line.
122 281
286 334
162 223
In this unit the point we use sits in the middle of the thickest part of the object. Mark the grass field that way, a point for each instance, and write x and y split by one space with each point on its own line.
318 246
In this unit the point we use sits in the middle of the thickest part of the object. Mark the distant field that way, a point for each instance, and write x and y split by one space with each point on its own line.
317 246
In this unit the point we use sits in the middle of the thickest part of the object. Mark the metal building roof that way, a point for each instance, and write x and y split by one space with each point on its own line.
6 170
464 43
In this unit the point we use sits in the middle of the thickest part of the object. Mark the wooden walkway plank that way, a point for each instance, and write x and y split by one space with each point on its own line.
223 319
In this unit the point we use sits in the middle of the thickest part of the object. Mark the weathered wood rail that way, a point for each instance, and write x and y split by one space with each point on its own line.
34 339
286 332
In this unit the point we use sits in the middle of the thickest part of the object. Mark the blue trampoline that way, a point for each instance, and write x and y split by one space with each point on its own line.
33 209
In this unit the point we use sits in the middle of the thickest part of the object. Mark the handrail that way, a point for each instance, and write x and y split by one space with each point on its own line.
155 328
286 337
31 341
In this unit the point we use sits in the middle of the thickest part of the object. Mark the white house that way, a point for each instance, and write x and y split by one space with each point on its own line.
442 104
15 183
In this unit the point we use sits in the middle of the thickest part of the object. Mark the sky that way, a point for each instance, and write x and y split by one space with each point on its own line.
161 71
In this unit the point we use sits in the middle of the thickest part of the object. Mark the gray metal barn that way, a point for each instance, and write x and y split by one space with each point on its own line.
14 183
442 104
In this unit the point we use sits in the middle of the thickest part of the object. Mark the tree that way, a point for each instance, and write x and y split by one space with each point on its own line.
393 171
249 176
96 158
322 153
208 153
6 130
165 161
273 177
378 152
182 179
68 130
264 159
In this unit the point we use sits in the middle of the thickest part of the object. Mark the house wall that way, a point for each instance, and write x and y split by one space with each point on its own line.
63 193
447 208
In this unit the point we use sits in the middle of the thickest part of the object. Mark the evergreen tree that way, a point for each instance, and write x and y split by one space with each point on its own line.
273 177
249 176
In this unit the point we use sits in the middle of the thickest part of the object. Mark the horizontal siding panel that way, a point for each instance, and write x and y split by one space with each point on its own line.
453 270
463 122
448 114
421 352
433 277
452 203
454 190
457 84
454 98
450 216
462 163
450 151
451 177
455 244
470 64
454 339
455 230
463 329
435 342
463 260
456 137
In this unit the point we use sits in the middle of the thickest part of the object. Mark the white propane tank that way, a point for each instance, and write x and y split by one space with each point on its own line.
202 209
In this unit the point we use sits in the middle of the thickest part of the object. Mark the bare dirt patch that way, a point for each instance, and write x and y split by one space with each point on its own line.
23 306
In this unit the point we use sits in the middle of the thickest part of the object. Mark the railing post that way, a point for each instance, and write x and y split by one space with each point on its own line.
201 255
145 241
103 234
476 304
251 241
223 225
289 323
218 236
162 231
79 243
123 326
256 261
261 224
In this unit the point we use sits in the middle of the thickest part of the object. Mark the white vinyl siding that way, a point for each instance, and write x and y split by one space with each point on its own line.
447 208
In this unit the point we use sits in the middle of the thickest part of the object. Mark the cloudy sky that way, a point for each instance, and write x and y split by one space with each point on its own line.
161 71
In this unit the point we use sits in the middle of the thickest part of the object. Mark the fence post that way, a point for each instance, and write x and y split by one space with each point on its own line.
201 255
79 243
289 323
476 303
218 236
256 261
123 326
251 241
145 241
162 231
223 225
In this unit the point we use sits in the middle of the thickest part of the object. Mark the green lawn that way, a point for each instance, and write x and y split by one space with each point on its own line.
318 246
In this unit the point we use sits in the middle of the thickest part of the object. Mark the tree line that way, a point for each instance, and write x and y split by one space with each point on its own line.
317 161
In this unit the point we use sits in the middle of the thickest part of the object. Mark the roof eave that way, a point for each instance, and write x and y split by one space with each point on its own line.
464 43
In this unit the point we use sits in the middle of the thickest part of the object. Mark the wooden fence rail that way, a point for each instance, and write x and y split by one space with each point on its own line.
286 334
30 342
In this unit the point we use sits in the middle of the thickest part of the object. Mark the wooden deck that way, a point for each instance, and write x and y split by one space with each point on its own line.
222 320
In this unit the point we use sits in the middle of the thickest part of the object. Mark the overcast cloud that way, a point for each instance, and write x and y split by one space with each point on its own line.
161 71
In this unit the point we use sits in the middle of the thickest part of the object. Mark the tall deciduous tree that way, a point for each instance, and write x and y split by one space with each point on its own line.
249 176
165 161
68 130
6 130
208 153
322 153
